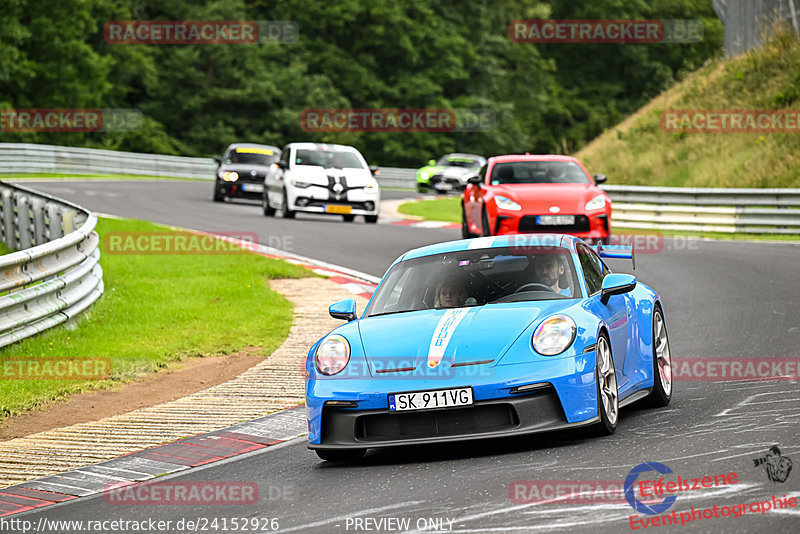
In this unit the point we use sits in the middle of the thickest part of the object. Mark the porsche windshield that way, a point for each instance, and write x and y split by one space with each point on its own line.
329 159
476 278
538 172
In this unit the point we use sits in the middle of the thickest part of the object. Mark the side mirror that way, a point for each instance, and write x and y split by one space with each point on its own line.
474 179
374 170
616 284
600 178
218 159
281 164
344 309
431 162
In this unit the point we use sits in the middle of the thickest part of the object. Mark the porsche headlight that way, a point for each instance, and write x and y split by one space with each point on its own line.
506 204
332 355
301 184
554 335
598 202
230 176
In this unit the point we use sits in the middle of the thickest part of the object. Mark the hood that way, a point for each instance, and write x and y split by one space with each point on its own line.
441 338
457 172
319 175
539 198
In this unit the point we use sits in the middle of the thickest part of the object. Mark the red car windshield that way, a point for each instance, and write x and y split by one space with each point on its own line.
538 172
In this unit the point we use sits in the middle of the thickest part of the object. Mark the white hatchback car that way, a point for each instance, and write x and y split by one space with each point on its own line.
322 178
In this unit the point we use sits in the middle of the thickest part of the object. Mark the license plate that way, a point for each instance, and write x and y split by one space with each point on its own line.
555 220
428 400
253 188
441 186
338 209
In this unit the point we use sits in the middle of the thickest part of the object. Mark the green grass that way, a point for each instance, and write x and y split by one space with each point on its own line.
440 209
159 309
83 177
638 152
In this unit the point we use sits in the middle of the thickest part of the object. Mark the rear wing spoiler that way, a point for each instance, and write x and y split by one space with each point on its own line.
617 252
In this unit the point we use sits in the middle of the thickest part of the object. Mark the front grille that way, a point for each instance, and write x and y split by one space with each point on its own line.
528 224
436 178
322 203
436 423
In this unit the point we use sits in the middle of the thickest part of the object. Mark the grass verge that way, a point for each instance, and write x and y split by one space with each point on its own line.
158 309
439 209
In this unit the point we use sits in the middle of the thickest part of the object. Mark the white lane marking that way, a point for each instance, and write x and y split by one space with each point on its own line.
481 242
442 334
749 402
351 514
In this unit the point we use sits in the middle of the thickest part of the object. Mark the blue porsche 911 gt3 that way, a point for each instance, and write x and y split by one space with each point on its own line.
488 337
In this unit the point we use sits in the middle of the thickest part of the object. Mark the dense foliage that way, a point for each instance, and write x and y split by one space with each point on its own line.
350 53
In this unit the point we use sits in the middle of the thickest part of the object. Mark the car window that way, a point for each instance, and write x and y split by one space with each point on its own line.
482 173
538 172
251 156
285 154
594 270
328 158
476 278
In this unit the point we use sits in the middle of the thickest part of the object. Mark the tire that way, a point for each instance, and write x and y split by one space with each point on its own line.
465 233
286 213
348 218
662 363
218 196
345 455
607 394
487 230
268 210
371 219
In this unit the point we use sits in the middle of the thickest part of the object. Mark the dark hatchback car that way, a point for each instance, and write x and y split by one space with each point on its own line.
242 170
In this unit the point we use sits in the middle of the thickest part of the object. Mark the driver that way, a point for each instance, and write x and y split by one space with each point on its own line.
548 269
450 294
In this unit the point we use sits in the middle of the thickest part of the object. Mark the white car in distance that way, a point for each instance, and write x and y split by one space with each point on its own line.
322 178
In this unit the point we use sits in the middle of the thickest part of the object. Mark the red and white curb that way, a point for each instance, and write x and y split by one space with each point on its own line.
413 223
147 464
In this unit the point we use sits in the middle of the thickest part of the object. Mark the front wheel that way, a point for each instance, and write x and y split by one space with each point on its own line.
218 196
344 455
607 394
465 233
349 218
662 363
371 219
268 210
487 230
286 212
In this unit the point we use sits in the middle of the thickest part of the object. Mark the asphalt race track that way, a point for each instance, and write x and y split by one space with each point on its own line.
722 299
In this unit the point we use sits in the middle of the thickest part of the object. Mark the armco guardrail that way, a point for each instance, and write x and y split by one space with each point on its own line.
30 158
706 209
55 273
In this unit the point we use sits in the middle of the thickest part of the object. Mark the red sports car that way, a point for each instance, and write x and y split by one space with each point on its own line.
529 194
